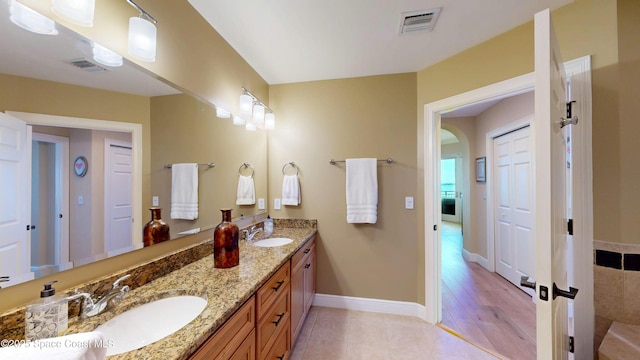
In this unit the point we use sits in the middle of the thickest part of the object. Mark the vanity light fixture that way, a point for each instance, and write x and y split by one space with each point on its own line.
270 121
79 12
222 113
31 20
245 104
142 35
258 113
105 56
250 126
256 110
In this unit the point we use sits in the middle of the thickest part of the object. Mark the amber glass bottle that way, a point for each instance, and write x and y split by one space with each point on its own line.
156 230
226 253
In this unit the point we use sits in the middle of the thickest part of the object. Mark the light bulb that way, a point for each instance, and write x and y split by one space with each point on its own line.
105 56
30 20
258 114
245 105
222 113
237 120
269 121
79 12
250 126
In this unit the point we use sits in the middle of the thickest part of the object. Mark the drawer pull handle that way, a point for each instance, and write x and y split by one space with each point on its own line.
279 285
307 266
281 357
280 316
307 251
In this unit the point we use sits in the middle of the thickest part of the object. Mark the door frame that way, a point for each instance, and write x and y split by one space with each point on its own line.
62 197
580 70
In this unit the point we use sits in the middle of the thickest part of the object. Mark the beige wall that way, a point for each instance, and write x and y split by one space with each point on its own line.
351 118
195 134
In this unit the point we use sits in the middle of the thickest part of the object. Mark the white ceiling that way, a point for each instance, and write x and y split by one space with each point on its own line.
289 41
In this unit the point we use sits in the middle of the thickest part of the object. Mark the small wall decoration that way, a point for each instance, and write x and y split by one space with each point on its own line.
481 170
80 166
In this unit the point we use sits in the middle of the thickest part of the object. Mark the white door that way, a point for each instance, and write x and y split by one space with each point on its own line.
550 190
118 200
15 184
513 210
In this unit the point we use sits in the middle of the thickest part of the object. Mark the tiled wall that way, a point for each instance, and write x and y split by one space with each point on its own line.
617 281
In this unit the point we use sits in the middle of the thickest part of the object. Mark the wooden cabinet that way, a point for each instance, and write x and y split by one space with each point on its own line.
273 338
303 285
236 336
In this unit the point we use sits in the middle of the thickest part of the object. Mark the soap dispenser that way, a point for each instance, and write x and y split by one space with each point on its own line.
268 225
48 316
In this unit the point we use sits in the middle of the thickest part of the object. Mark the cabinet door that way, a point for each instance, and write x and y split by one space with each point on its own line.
247 350
309 278
297 297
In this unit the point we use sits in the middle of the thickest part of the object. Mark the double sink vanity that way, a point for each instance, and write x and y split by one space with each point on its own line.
252 311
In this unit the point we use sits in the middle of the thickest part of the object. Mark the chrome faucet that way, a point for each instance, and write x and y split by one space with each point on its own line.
249 234
91 308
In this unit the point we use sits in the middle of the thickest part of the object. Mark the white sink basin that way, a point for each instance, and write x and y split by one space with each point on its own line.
150 322
272 242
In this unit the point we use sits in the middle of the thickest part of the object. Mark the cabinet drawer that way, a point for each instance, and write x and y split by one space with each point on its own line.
267 294
230 336
281 347
274 323
302 252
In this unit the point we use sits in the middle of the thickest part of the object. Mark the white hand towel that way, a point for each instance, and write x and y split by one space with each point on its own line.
246 191
291 190
81 346
362 191
184 191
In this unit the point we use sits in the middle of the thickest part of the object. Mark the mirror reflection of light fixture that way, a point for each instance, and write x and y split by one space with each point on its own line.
222 113
105 56
258 114
237 120
245 105
142 35
270 121
31 20
79 12
250 126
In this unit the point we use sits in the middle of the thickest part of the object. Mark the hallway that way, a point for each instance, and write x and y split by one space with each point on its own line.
482 306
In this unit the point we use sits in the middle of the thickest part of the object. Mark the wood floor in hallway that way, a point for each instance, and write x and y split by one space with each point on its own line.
482 306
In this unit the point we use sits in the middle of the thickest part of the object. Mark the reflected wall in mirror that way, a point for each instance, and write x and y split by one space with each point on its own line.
36 77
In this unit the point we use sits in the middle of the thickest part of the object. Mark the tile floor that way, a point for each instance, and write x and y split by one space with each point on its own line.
336 334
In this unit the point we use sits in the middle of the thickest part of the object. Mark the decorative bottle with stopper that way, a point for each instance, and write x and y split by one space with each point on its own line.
226 252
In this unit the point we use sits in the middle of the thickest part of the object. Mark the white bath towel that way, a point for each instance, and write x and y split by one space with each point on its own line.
81 346
246 191
291 190
184 191
362 191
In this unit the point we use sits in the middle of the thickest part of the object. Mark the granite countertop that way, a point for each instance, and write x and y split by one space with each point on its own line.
225 289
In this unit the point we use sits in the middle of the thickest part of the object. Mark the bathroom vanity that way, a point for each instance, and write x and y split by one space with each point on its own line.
254 310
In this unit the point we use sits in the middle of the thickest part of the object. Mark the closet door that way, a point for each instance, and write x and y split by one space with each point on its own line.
513 213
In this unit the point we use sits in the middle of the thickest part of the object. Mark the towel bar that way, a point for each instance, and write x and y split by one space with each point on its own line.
246 165
209 165
293 165
333 162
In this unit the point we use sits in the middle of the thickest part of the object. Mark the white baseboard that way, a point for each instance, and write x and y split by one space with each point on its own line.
475 258
371 305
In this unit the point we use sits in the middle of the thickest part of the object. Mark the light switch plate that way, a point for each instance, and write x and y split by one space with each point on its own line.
260 204
276 204
408 202
155 201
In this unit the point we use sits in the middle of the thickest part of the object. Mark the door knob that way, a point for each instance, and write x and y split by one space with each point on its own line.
571 294
524 282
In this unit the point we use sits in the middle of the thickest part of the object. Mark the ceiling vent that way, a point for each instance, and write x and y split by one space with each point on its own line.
86 65
418 21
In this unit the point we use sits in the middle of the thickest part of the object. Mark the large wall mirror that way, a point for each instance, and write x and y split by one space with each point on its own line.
128 128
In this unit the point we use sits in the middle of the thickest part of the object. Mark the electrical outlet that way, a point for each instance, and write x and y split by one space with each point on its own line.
155 201
276 204
408 202
261 204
